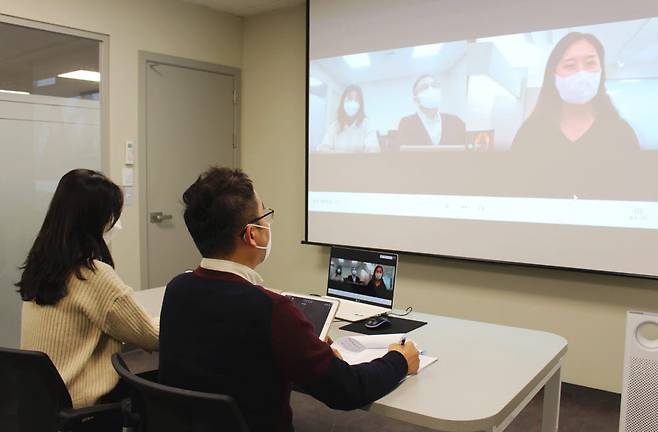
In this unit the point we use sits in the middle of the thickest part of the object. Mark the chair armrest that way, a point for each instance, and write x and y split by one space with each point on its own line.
105 414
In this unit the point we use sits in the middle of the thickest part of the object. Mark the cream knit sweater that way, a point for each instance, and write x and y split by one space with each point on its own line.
82 331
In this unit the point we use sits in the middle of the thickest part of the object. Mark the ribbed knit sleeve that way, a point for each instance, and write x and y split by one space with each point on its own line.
108 302
82 331
127 322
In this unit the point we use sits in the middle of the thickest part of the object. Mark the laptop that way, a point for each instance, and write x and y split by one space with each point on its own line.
353 279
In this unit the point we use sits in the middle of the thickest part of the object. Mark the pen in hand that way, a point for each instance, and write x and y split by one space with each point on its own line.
410 353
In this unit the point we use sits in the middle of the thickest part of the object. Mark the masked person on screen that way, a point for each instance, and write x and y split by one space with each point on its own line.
353 278
376 286
223 332
574 113
428 126
575 129
338 274
350 133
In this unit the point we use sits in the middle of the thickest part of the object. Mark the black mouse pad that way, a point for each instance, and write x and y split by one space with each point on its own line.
398 325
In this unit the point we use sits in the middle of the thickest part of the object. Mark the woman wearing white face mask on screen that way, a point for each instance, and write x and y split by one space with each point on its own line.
428 126
351 132
575 128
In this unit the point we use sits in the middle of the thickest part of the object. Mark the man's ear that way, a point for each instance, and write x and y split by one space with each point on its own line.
248 236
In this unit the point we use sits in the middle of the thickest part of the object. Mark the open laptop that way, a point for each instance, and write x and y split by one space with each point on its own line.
352 280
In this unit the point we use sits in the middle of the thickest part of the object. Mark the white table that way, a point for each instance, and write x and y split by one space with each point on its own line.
486 374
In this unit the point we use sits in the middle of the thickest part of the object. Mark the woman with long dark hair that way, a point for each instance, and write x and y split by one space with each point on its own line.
350 133
573 100
575 132
376 286
76 309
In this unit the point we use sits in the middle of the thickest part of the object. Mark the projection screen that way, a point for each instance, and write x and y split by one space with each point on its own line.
514 131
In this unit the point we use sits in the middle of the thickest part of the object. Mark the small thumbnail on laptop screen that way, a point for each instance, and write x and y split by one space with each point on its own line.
363 276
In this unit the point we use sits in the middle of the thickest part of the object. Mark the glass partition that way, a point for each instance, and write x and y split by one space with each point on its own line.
50 118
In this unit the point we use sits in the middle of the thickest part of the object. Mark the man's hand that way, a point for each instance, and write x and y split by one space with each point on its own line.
329 341
410 353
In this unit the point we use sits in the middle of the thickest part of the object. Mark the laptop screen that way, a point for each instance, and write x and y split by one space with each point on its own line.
362 276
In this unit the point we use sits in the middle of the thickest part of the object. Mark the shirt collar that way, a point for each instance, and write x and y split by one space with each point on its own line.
232 267
426 118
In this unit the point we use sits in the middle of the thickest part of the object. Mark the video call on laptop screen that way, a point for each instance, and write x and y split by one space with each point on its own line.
362 276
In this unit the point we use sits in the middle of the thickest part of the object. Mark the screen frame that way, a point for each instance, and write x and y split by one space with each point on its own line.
330 316
454 258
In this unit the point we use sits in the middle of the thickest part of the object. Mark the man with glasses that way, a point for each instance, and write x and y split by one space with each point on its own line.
222 332
428 126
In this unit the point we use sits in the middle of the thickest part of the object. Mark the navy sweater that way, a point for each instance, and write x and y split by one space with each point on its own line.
221 334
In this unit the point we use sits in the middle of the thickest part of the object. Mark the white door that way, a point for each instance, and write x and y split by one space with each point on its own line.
190 117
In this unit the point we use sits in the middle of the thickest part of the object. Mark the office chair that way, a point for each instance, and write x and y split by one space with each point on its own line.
161 408
33 398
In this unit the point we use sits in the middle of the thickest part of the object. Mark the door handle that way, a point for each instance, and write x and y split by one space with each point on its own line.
159 217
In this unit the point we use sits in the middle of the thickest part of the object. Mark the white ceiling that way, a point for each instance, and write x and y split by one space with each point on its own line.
392 64
246 7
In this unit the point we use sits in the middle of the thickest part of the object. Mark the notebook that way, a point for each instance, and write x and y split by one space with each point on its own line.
362 349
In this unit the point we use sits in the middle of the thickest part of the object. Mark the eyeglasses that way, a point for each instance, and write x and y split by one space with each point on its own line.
269 212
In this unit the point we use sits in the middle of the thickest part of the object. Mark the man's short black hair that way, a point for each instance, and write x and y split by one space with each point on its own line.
217 206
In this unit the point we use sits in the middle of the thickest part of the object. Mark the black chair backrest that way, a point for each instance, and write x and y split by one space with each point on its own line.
32 392
163 408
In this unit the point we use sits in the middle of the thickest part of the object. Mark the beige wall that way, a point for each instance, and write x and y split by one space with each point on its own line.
162 26
587 309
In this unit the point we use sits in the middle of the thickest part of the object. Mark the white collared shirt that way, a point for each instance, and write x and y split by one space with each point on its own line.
238 269
432 126
352 139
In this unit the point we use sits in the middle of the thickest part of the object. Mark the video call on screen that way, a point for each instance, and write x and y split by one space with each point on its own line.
362 275
455 136
435 111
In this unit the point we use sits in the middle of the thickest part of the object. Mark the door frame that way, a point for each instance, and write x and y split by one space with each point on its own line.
145 58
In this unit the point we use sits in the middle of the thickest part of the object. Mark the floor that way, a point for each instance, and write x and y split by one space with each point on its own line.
582 409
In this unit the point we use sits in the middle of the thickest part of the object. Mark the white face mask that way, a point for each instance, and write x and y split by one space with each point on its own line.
578 88
351 107
430 98
267 248
378 276
112 232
